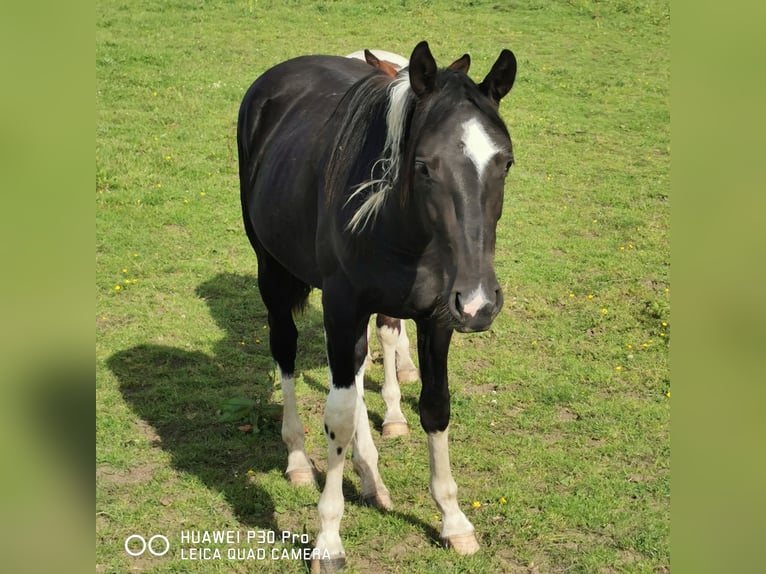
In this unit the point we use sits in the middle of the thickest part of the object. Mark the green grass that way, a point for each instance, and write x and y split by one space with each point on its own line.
561 409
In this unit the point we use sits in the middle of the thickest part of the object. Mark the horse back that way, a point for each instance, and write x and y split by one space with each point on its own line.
282 145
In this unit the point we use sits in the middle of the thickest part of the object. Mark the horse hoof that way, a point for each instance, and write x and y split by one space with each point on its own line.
393 429
328 565
463 544
407 375
301 477
380 500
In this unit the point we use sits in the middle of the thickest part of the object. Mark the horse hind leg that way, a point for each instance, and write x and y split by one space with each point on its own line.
365 455
406 371
282 293
389 332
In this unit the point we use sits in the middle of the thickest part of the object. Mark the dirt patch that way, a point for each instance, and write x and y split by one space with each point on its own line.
566 415
406 546
485 389
135 475
148 431
511 564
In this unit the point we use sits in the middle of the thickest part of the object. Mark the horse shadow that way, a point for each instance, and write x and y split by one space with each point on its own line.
179 393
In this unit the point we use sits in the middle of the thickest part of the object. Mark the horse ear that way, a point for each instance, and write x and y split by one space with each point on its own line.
500 79
371 58
422 70
462 64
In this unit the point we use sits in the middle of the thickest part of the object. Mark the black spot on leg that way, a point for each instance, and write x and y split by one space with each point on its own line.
340 450
332 436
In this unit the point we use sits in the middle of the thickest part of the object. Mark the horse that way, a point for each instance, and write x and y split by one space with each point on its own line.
388 62
391 332
385 193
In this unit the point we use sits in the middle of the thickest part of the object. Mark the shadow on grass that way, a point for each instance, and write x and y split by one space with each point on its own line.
179 393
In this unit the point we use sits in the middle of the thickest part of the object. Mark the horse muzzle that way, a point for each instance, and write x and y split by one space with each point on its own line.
474 311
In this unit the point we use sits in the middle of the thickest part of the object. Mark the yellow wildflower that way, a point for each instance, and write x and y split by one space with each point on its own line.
476 504
503 500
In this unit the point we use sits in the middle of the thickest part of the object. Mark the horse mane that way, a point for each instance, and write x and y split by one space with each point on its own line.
366 156
371 156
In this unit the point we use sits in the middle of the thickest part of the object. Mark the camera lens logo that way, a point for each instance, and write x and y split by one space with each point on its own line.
140 545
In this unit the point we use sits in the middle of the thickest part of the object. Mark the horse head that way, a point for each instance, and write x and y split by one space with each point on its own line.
459 154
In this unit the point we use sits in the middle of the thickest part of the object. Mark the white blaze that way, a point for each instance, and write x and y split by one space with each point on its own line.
477 145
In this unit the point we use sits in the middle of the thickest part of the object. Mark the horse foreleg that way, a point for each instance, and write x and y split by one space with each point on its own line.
340 421
346 339
433 346
389 331
457 531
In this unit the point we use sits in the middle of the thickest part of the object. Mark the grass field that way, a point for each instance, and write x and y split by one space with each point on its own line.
560 427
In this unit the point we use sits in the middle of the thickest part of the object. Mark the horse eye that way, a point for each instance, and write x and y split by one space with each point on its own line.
421 168
508 165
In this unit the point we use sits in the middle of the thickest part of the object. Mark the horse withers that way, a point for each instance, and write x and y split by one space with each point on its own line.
384 193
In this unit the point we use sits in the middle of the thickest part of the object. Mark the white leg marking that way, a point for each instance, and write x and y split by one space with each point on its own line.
299 467
444 490
389 339
475 301
406 371
340 418
365 455
477 145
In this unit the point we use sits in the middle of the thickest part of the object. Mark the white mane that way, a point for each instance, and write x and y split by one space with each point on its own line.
399 94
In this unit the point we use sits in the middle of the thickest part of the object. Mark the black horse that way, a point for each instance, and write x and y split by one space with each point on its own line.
384 193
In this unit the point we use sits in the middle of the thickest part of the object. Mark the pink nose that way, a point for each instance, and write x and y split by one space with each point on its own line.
476 310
